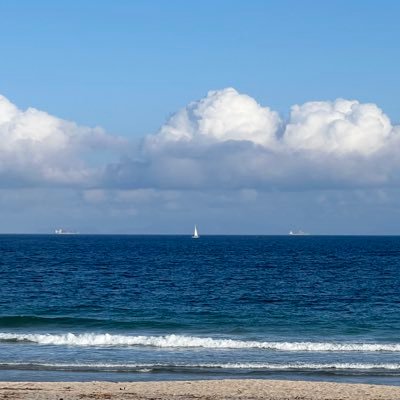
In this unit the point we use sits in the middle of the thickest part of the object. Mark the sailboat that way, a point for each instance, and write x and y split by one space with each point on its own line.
195 233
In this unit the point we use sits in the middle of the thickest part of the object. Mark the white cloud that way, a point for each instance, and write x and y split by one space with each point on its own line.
222 115
37 148
227 140
341 127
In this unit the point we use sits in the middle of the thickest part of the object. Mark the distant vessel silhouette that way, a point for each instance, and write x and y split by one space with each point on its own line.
61 231
195 233
298 233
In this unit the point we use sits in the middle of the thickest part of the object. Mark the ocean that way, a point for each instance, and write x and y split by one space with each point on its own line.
118 308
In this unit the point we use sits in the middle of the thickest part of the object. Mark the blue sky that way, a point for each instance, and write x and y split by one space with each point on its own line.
133 68
127 65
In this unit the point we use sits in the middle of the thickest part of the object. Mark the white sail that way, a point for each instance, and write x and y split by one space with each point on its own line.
195 233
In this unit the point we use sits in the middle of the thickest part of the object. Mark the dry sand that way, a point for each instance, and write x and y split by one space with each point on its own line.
213 389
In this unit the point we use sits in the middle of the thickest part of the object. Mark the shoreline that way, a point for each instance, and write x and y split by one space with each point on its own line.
204 389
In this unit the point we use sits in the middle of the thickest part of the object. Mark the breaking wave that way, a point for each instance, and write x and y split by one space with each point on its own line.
181 341
157 367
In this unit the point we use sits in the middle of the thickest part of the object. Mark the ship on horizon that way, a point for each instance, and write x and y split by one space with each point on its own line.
61 231
298 233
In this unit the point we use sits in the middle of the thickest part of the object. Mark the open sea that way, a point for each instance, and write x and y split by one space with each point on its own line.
81 307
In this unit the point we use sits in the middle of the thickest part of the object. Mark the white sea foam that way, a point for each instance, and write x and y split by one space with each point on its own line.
261 366
180 341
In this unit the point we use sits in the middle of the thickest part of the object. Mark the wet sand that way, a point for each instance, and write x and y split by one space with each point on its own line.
211 389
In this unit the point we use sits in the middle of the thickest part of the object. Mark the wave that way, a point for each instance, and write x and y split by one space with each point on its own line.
180 341
129 367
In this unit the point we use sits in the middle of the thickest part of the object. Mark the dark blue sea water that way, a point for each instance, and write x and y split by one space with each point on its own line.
76 307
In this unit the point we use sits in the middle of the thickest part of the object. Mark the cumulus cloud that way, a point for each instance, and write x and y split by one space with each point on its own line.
341 127
225 140
222 115
228 140
39 149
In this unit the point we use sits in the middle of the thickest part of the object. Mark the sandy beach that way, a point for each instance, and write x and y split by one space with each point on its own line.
211 389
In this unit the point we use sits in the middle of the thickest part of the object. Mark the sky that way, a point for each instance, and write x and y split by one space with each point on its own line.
254 117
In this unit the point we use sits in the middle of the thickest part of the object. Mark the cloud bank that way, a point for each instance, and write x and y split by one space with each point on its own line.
228 140
225 140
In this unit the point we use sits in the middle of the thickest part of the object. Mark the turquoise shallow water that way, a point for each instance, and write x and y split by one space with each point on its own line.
168 307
